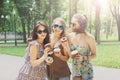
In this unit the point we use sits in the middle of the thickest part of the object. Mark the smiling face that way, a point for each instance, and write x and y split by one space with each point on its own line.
41 32
58 27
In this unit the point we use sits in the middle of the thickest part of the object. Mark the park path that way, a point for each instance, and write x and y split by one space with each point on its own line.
10 65
1 45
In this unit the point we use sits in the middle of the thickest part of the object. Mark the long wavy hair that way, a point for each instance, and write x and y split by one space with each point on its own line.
35 36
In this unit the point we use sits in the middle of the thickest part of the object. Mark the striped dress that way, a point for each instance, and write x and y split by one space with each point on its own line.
27 72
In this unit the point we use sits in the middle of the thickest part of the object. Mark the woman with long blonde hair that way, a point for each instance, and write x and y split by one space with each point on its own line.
59 69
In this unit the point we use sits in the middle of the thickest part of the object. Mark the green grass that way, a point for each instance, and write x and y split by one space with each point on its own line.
107 55
16 51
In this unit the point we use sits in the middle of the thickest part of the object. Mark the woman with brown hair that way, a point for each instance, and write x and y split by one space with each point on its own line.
59 69
34 67
83 48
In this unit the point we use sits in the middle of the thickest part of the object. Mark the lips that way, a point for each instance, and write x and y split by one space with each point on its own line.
42 35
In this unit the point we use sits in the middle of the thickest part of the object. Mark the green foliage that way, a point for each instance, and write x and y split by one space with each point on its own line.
56 8
60 8
108 56
5 14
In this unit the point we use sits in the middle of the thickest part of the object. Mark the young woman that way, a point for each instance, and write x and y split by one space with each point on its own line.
83 48
59 69
34 67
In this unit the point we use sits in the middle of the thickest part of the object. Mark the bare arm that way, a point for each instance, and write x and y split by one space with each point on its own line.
33 56
66 56
92 46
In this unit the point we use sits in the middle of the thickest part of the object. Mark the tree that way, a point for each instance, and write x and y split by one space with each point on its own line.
72 8
97 22
115 10
1 6
23 8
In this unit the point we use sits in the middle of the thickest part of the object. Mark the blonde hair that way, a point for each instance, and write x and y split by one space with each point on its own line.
63 24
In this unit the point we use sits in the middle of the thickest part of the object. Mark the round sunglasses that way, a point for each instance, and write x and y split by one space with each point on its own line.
40 31
60 27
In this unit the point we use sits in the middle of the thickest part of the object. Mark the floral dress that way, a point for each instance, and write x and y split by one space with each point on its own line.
82 69
27 72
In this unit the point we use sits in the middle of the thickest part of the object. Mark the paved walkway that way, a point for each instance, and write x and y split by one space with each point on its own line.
26 44
10 65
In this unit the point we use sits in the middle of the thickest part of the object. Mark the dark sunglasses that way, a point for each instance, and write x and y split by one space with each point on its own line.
73 24
40 31
60 27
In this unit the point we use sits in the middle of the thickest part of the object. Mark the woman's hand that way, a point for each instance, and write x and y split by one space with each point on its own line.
57 54
57 51
49 60
66 46
78 58
48 63
74 53
46 50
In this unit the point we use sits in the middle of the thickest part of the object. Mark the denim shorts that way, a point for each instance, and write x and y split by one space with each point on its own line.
62 78
83 78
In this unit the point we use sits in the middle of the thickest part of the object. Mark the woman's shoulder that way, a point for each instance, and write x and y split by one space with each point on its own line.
90 36
34 42
71 34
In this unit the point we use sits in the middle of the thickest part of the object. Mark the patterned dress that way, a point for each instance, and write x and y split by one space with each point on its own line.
27 72
82 69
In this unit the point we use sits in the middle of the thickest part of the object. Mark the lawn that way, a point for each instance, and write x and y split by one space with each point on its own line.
16 51
107 55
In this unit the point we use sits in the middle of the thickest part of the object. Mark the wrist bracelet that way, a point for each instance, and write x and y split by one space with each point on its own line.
87 58
83 58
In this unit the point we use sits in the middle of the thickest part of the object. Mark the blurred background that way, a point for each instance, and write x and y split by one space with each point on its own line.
18 17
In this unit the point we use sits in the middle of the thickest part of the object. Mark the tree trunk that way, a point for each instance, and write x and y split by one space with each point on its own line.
24 31
118 25
108 28
50 13
28 26
114 8
97 24
76 6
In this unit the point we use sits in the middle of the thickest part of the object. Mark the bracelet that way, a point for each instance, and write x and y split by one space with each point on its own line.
83 58
88 58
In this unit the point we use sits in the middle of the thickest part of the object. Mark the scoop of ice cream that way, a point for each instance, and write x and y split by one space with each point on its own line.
47 45
57 49
75 52
49 59
63 39
50 52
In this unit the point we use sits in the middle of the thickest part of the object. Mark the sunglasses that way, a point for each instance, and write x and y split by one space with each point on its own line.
73 24
40 31
60 27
